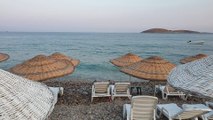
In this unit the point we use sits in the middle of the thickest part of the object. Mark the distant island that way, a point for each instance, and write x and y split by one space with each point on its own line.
162 30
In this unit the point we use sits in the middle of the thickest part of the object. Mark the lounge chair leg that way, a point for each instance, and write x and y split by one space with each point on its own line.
154 116
195 118
158 113
204 118
61 89
124 112
91 99
184 97
164 96
110 99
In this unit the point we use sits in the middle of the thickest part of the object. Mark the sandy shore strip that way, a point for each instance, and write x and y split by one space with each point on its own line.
76 104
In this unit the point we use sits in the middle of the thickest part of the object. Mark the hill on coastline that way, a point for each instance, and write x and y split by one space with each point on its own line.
162 30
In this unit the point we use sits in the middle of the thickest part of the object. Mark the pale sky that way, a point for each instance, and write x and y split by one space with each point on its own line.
105 15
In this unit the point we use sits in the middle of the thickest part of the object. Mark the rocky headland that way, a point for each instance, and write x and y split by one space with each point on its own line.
162 30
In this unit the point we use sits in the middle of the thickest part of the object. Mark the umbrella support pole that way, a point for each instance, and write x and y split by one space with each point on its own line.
129 78
152 85
154 89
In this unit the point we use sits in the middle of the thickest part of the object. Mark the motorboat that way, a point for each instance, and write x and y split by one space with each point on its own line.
196 42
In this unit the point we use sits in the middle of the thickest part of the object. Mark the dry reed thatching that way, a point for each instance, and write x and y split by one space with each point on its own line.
192 58
194 77
23 99
60 56
3 57
126 60
152 68
42 67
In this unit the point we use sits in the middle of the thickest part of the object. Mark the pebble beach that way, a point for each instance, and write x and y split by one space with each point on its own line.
76 104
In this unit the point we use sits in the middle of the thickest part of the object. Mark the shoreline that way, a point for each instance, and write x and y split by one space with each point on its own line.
76 104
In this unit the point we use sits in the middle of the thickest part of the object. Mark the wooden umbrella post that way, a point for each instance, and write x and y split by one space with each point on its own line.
154 89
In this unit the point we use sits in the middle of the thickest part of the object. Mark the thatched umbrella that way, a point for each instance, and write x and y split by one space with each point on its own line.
42 67
3 57
192 58
23 99
194 77
153 68
60 56
126 60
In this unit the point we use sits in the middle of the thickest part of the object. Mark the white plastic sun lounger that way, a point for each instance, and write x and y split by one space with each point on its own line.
169 91
100 89
120 89
189 111
141 108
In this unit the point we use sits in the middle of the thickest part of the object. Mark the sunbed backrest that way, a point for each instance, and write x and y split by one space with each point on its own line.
168 89
101 87
143 107
121 87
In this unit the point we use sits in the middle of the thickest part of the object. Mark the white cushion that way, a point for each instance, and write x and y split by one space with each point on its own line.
172 108
189 107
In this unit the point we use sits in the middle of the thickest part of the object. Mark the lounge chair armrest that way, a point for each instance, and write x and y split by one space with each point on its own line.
93 89
180 92
161 112
166 111
108 90
128 91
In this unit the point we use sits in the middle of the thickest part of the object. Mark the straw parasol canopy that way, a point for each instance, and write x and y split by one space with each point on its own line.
152 68
192 58
194 77
60 56
3 57
23 99
42 67
126 60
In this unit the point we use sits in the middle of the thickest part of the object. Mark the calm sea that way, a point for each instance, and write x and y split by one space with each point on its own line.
96 49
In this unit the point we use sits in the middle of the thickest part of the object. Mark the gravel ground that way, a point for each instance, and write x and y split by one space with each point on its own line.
76 104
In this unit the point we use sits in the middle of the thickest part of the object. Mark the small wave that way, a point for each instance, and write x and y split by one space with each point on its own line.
97 67
73 49
152 53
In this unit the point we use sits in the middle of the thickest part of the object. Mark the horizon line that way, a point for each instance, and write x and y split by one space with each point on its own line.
94 32
63 32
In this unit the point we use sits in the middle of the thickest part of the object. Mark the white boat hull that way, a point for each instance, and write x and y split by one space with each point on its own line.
196 42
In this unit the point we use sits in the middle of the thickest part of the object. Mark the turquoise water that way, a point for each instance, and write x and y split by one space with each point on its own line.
96 49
